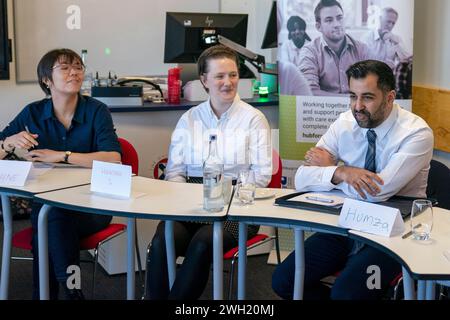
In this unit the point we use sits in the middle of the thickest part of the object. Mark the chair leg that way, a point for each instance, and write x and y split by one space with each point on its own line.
231 280
397 288
147 255
277 246
95 272
138 253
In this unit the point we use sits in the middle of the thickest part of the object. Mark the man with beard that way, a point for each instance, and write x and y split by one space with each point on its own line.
290 50
371 152
324 60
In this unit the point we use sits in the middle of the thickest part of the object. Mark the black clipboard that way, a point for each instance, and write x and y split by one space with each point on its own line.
403 203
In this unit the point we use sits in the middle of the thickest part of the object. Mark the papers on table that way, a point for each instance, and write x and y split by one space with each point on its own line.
38 169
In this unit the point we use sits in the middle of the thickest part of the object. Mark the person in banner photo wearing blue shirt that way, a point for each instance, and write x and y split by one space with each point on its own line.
385 151
64 127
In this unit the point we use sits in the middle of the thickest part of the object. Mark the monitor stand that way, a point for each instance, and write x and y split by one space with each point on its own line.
188 72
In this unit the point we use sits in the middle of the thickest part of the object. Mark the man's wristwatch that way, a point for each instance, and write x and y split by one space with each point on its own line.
66 156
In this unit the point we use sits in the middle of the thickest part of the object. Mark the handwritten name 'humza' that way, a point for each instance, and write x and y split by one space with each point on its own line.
371 218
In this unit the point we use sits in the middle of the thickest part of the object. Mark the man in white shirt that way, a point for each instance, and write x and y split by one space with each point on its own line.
385 45
385 151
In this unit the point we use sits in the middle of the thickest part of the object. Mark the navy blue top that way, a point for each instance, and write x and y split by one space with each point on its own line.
91 129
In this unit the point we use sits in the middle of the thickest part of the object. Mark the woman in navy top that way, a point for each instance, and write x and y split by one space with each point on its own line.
64 127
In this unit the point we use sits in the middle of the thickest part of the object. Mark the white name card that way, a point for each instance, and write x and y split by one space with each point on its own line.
14 173
111 179
371 218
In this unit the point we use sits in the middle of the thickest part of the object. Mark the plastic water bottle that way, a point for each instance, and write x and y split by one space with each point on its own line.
86 86
212 179
174 86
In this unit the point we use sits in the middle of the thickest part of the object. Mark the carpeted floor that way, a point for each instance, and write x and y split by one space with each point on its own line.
259 275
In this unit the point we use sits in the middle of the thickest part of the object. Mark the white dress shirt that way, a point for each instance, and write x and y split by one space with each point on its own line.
404 147
243 142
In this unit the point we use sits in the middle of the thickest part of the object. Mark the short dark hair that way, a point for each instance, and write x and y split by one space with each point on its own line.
291 23
325 3
45 65
361 69
215 52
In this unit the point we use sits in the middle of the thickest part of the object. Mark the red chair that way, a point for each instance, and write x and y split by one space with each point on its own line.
260 238
129 155
22 239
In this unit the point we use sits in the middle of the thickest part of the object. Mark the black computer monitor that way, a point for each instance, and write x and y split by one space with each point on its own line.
4 42
271 36
188 34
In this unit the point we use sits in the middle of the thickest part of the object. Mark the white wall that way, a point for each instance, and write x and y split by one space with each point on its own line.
432 43
432 49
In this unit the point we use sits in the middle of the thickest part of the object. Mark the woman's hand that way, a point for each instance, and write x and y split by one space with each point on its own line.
45 155
23 140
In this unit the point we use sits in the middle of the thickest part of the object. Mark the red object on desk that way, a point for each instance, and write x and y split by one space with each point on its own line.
174 86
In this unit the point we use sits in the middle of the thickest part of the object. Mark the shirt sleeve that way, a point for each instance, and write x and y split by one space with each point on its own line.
16 125
260 149
310 68
401 51
176 166
314 178
105 134
414 154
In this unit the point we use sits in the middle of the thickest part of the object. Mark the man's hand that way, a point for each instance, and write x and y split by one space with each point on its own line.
319 157
389 36
45 155
362 180
23 140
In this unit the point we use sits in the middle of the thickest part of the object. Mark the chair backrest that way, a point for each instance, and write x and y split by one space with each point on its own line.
439 184
277 169
129 155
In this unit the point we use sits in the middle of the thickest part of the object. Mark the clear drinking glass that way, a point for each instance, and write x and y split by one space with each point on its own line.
246 186
421 219
227 187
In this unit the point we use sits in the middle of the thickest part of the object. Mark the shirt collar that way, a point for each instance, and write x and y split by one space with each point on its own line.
48 110
385 126
227 113
80 111
376 35
348 42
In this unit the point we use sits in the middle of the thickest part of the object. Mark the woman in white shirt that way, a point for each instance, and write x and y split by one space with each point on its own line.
243 136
